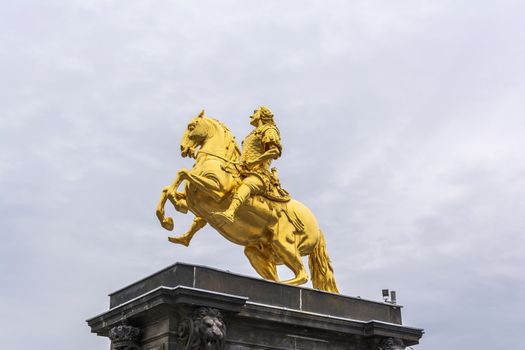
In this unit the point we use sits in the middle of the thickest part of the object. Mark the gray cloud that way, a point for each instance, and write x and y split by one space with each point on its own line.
402 126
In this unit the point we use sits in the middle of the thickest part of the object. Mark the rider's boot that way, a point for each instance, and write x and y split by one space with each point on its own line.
242 193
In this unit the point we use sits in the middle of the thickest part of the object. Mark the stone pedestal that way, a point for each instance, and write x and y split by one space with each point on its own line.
190 307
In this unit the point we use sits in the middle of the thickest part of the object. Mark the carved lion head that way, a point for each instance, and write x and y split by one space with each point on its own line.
209 330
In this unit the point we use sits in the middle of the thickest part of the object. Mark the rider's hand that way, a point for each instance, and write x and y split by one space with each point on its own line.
250 163
273 152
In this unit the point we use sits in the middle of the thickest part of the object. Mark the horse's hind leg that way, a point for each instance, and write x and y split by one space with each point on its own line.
284 246
261 259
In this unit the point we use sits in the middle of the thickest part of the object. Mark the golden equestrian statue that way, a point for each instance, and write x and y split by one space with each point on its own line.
240 197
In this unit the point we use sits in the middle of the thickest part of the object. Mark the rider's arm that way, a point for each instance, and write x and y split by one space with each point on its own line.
272 145
272 152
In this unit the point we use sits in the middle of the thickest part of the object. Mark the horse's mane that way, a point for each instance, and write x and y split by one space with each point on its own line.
232 149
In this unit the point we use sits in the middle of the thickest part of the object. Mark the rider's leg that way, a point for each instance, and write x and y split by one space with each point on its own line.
250 185
261 260
241 195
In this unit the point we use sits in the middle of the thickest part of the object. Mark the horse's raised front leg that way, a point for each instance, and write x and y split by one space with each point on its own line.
185 239
182 175
179 201
208 183
170 192
167 223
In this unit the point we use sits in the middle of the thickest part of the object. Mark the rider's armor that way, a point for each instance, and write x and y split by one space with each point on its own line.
257 179
255 145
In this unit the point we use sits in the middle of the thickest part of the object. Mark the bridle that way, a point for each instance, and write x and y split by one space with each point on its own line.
216 156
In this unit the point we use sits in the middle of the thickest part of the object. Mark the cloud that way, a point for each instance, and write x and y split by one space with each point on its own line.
402 127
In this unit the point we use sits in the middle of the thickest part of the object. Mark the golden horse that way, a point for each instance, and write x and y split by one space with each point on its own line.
273 233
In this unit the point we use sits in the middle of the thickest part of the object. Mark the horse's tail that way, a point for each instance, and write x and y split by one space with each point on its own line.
321 268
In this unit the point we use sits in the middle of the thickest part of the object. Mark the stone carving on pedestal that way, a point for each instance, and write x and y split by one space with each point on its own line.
391 344
204 330
125 337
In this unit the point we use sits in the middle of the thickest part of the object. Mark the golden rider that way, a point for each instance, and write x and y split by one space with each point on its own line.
259 148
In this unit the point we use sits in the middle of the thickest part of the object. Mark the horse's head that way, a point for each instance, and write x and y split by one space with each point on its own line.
211 136
194 136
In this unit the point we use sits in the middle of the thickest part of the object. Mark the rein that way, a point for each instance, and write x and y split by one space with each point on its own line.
216 156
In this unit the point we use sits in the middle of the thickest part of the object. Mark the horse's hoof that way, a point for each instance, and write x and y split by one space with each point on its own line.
167 223
298 280
178 240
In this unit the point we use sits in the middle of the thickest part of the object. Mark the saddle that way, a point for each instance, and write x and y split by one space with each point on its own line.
272 186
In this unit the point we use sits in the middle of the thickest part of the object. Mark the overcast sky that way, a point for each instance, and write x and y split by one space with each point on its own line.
403 128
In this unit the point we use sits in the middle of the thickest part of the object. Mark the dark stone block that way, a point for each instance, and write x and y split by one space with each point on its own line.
257 290
260 291
257 314
344 306
172 276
